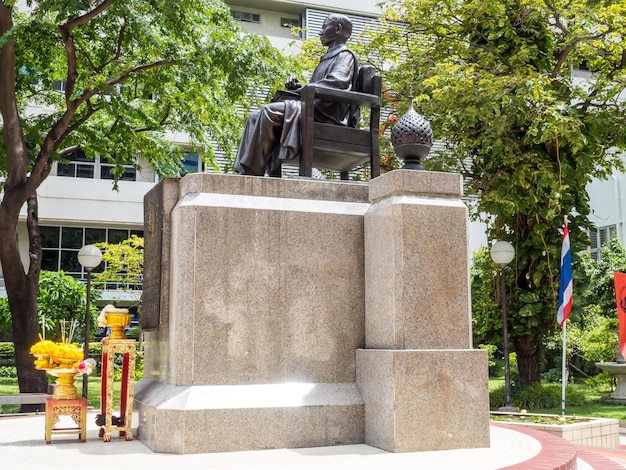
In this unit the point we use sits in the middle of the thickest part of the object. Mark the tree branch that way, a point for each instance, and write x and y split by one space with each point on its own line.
142 68
70 49
161 122
88 16
90 112
118 49
557 18
68 150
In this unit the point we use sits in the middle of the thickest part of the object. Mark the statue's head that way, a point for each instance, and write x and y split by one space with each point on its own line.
336 27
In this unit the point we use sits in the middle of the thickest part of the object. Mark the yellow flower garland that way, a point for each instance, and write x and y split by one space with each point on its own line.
51 355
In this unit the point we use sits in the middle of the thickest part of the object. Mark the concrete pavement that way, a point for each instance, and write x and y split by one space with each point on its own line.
22 447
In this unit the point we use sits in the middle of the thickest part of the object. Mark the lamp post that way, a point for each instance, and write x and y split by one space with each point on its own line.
502 253
89 257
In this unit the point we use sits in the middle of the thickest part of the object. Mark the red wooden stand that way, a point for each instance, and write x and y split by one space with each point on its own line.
111 347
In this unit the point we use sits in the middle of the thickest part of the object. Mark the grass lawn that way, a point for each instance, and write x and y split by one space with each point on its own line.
593 408
9 385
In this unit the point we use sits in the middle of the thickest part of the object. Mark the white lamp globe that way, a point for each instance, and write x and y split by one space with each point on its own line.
89 257
502 253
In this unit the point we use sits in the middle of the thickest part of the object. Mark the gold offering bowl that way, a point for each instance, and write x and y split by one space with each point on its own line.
65 388
117 322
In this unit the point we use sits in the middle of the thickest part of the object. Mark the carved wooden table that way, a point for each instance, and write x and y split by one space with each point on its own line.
76 408
111 347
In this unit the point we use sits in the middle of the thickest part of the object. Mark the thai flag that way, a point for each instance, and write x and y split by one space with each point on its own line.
566 285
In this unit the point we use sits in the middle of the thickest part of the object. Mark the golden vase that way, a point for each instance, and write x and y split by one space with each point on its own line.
117 322
65 388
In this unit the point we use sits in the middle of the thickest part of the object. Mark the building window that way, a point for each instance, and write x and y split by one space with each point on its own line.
77 166
60 246
246 16
290 22
58 85
599 238
192 163
106 172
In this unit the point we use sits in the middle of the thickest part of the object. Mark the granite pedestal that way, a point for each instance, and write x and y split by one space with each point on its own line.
423 385
258 324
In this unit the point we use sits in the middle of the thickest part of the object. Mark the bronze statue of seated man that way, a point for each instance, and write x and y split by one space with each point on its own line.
272 134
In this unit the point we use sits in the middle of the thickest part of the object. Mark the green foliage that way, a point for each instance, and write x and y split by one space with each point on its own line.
592 328
495 80
553 375
491 349
61 297
123 262
133 332
598 341
599 277
603 382
497 397
591 338
539 419
538 396
5 314
8 371
591 334
117 364
486 309
95 349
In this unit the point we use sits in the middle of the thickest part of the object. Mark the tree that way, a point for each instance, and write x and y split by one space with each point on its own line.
129 70
495 78
486 308
123 262
592 328
60 297
599 277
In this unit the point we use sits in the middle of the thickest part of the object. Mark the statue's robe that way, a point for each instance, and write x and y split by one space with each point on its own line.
272 134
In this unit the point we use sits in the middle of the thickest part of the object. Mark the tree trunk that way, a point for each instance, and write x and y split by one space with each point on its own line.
22 291
20 185
528 352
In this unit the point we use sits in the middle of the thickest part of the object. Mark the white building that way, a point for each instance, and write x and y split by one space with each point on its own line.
608 205
78 206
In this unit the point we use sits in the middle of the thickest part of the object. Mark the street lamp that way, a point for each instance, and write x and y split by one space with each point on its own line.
89 257
502 253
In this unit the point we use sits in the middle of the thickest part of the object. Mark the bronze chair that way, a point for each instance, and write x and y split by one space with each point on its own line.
341 148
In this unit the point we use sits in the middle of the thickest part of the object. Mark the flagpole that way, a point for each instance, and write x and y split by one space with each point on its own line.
563 369
566 288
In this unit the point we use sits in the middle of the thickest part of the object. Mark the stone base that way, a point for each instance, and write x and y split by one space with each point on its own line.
225 418
423 400
618 369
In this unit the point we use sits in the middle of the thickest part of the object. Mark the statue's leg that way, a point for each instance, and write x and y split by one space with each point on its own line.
261 134
243 145
274 165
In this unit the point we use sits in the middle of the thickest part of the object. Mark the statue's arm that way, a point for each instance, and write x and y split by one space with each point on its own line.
292 83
